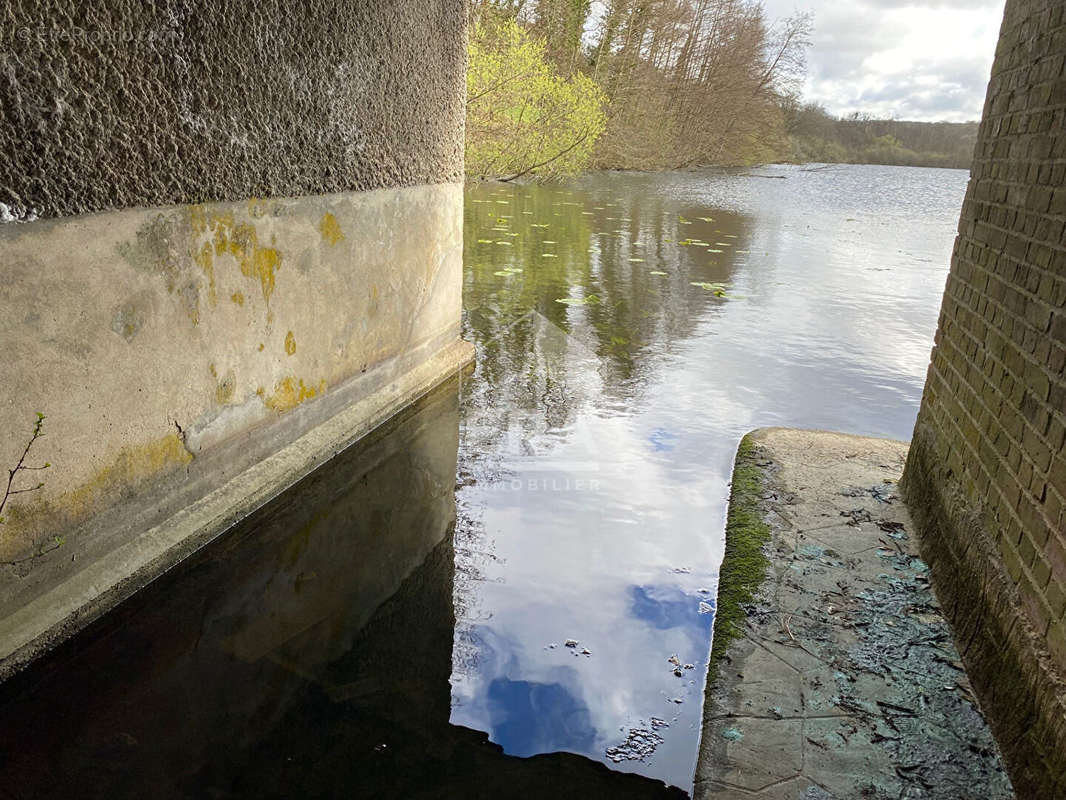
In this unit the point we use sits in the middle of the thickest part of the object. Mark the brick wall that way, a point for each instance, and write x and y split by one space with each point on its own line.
987 469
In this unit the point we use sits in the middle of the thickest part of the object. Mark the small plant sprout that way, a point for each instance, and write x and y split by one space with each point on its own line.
12 474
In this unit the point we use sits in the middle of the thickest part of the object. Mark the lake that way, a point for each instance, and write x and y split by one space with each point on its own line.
512 583
630 329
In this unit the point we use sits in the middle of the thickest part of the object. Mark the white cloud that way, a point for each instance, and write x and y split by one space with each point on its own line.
892 58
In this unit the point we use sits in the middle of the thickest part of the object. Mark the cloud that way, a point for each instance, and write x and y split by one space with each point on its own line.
899 58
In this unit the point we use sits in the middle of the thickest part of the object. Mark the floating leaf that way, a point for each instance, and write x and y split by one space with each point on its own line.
578 301
711 250
656 272
501 241
717 289
503 273
707 219
548 255
548 241
484 241
683 221
637 259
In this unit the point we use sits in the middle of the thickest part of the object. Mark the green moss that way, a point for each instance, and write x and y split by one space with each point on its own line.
744 566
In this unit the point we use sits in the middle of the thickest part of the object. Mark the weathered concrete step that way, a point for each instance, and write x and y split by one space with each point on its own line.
834 673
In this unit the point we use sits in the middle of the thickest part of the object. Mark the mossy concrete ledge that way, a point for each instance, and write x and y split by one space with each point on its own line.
833 672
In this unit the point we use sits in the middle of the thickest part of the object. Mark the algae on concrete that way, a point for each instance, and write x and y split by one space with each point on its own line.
744 565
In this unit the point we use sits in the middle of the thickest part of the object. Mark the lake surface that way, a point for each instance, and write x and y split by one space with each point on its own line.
397 624
630 329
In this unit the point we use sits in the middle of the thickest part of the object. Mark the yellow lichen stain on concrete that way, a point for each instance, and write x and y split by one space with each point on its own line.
290 392
197 218
238 298
241 241
261 346
226 387
131 469
212 370
206 261
330 229
290 343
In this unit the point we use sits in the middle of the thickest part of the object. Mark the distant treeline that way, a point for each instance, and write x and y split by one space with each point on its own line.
817 136
558 86
555 87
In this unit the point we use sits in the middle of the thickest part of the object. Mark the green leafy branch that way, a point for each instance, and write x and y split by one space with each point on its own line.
21 466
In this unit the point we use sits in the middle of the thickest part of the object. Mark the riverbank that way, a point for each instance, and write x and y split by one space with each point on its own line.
839 677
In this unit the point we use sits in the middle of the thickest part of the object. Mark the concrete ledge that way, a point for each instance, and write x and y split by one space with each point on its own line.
63 609
1013 672
840 679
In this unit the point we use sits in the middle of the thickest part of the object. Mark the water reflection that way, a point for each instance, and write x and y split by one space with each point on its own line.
305 654
630 328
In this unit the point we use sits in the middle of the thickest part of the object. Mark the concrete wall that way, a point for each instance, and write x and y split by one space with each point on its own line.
987 468
233 245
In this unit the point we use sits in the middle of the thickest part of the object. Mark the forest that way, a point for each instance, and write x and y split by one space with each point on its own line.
555 87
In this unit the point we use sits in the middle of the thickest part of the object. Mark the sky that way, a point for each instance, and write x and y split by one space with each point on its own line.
925 60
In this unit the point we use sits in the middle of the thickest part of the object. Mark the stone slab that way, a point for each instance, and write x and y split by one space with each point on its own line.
846 682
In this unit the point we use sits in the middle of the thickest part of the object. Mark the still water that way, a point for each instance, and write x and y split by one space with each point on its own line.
397 624
630 329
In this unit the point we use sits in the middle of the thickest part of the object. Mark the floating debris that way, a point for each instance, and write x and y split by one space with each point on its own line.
706 608
571 642
717 289
639 744
657 272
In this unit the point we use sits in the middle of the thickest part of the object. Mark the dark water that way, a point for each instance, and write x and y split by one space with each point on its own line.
305 654
598 436
378 632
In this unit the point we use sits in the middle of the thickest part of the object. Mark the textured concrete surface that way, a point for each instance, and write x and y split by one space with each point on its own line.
987 469
119 104
154 338
846 683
